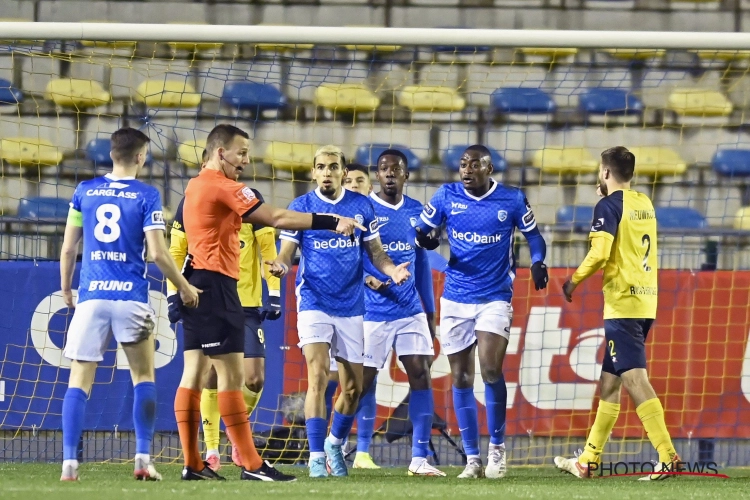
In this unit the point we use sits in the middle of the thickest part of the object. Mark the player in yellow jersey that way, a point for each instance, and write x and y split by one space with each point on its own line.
256 242
623 242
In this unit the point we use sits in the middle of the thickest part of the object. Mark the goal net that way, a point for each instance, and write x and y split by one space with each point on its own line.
546 112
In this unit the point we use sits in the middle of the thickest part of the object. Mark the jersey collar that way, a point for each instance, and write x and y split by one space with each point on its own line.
485 195
328 200
113 178
377 199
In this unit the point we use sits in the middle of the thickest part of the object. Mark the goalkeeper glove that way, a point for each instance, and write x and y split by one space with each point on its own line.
539 275
426 241
272 310
173 311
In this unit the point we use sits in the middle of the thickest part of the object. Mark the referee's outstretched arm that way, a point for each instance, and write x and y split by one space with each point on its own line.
281 218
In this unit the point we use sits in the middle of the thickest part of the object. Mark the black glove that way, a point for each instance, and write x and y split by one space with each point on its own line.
426 241
174 308
272 310
539 275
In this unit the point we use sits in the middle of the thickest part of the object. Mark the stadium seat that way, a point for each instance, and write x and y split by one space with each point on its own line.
576 217
631 54
367 154
679 218
346 97
75 93
282 47
564 161
722 55
192 46
190 152
9 95
525 100
29 151
742 219
371 48
292 156
552 53
114 45
97 152
431 98
43 208
604 101
657 161
452 158
167 94
253 96
732 163
699 102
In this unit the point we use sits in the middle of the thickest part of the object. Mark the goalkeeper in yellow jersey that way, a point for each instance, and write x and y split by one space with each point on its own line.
255 242
623 242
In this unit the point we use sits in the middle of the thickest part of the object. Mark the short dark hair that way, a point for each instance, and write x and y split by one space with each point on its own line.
482 150
620 161
222 135
394 152
126 143
358 167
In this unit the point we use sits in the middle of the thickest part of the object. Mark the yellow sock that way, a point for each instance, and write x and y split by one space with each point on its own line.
651 414
211 418
251 399
606 416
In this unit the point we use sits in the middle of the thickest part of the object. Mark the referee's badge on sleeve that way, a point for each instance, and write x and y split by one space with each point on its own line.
247 193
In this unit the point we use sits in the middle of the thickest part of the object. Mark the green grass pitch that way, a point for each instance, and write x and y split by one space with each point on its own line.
114 481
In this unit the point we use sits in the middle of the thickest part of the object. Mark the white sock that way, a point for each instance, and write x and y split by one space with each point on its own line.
214 453
476 458
143 456
496 447
71 463
334 440
417 461
317 454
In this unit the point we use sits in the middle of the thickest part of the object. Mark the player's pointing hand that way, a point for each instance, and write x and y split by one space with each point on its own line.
276 268
347 226
189 295
401 273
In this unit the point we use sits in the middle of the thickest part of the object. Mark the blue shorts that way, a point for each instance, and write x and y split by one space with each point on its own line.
626 344
255 339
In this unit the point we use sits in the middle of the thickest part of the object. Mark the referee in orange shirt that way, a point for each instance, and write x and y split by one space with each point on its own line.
214 332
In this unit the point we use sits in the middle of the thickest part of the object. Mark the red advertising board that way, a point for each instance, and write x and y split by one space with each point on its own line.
698 355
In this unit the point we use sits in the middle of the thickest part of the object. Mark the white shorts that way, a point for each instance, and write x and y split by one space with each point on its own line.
459 322
409 335
346 336
95 321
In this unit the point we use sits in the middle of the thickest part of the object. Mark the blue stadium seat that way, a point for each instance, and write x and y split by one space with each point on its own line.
452 158
576 217
97 151
367 154
253 96
601 101
9 94
679 218
732 162
43 208
522 100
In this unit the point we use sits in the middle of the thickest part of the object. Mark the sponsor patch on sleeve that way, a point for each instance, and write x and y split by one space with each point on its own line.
157 217
429 211
373 226
528 218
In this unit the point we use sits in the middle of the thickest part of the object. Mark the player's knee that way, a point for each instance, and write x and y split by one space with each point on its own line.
254 381
317 380
418 371
462 379
490 374
351 393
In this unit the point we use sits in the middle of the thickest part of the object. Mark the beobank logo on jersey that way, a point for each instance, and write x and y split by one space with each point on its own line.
397 246
472 237
336 243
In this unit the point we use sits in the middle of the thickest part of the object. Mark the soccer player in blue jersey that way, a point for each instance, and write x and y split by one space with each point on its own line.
480 217
395 316
115 215
330 301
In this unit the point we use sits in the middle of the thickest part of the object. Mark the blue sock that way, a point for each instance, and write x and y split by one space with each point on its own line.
496 397
73 413
421 409
368 407
330 391
316 433
465 406
341 426
144 416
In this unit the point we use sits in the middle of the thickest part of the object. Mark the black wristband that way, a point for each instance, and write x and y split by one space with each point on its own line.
324 221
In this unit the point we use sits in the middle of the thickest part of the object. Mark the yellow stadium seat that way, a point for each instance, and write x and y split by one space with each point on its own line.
73 93
564 161
292 156
723 55
372 48
742 219
630 54
124 44
549 52
167 94
29 151
193 46
656 161
190 153
698 102
431 98
282 47
346 97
